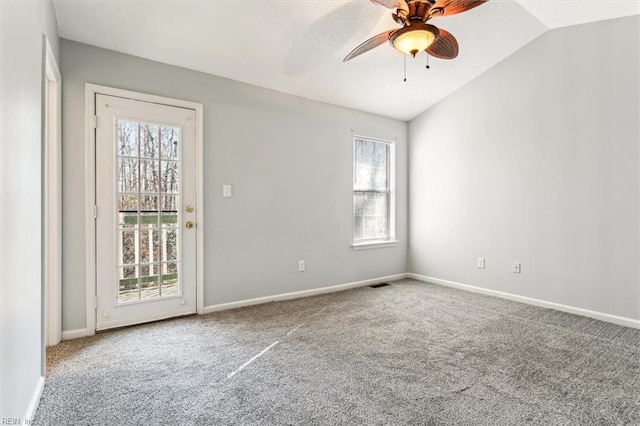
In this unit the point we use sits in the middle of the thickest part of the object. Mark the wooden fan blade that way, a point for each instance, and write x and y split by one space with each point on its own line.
392 4
369 44
445 46
453 7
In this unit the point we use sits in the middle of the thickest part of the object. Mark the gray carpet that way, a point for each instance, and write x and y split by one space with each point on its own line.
410 353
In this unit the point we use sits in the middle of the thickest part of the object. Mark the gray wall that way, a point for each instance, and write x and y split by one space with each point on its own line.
23 26
537 161
288 159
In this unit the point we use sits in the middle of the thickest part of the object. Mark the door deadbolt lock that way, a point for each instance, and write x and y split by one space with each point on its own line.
189 209
189 224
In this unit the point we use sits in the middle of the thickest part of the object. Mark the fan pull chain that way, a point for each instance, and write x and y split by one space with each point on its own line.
428 67
405 68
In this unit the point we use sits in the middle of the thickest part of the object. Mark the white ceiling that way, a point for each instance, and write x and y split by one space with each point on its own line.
562 13
297 46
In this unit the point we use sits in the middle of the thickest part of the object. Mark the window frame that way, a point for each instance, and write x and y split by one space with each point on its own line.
390 241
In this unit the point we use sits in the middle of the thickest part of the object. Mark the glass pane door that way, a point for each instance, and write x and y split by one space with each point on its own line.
146 239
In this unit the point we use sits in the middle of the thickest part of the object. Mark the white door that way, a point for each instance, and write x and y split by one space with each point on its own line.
145 197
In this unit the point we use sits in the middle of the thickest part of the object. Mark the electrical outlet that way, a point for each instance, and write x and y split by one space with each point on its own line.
481 262
227 192
301 266
516 267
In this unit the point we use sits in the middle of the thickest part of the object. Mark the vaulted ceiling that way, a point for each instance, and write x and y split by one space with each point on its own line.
297 47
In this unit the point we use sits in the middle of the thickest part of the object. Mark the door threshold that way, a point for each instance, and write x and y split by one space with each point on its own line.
121 327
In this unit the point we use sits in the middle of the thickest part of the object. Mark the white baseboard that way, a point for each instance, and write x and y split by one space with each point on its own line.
74 334
627 322
299 294
35 400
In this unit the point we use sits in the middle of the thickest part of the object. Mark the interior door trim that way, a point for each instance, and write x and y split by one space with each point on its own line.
52 219
91 90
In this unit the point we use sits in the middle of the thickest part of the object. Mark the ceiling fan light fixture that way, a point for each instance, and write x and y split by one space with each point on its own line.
414 39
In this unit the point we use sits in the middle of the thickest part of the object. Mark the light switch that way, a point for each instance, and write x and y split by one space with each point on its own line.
226 191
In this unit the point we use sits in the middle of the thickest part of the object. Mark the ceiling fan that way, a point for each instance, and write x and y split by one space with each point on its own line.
416 34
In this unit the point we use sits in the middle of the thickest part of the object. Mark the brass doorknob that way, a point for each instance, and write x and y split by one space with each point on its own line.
189 224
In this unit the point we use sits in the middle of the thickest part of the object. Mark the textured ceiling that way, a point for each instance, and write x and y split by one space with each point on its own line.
562 13
297 47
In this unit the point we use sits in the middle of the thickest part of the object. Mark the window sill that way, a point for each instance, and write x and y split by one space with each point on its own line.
374 244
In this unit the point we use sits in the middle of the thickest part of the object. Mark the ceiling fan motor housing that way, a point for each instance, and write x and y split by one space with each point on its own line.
414 11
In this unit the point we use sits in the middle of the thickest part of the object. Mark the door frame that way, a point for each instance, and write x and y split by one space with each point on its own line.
91 90
52 200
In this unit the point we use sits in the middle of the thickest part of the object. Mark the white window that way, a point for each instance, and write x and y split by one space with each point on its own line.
373 193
